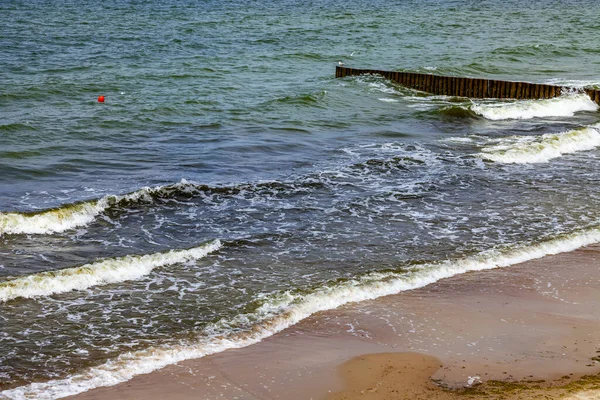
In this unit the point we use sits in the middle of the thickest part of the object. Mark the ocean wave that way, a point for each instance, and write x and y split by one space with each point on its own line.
16 127
456 112
386 165
50 221
539 149
305 99
563 106
70 216
111 270
280 311
74 215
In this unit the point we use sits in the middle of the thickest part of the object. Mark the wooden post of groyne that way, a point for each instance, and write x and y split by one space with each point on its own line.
468 87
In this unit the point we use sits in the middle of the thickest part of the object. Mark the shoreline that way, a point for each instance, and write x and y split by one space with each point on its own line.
532 321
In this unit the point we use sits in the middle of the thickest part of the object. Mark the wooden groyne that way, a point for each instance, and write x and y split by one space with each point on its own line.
468 87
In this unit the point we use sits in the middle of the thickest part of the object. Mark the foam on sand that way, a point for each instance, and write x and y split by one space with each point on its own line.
563 106
282 310
111 270
539 149
584 395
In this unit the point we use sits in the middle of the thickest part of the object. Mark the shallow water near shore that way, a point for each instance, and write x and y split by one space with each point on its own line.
230 186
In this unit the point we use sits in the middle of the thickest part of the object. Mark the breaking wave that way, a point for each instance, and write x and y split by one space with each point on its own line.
70 216
564 106
457 112
285 309
74 215
111 270
539 149
50 221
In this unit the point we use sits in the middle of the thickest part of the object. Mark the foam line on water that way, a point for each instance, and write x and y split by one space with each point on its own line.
111 270
563 106
539 149
284 310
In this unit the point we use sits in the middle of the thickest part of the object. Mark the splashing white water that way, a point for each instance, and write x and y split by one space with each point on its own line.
584 395
286 309
539 149
50 221
112 270
73 215
563 106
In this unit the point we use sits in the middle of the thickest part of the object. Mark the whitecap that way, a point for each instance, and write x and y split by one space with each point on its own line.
74 215
539 149
563 106
50 221
110 270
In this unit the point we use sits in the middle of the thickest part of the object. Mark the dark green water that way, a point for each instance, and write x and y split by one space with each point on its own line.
223 122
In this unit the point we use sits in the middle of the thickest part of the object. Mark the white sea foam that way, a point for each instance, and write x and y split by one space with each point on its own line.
563 106
539 149
111 270
473 380
281 311
73 215
382 87
50 221
584 395
458 140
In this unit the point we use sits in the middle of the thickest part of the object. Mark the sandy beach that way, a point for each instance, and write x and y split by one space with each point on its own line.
525 331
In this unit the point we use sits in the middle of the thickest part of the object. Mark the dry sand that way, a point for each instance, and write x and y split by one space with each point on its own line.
536 321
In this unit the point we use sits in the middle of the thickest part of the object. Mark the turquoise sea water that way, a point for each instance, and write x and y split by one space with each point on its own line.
230 185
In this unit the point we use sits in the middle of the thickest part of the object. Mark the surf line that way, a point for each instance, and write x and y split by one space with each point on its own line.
468 87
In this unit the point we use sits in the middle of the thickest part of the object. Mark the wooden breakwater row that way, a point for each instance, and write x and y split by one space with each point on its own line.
468 87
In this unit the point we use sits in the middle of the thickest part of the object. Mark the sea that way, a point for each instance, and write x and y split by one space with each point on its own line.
230 186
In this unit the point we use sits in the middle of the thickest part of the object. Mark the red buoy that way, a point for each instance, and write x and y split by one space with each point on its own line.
100 99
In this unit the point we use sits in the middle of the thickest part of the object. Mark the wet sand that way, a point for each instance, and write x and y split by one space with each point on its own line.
407 376
536 321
